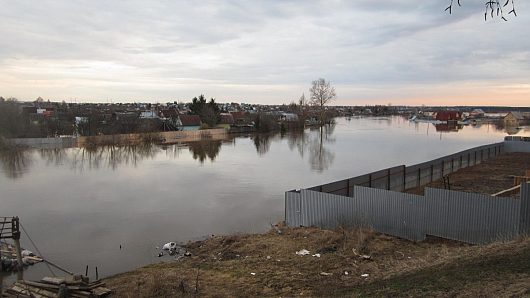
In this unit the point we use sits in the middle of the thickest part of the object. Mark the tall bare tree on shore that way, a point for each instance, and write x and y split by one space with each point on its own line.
321 93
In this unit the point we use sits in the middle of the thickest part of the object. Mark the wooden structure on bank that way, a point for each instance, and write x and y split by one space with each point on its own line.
74 286
48 287
10 229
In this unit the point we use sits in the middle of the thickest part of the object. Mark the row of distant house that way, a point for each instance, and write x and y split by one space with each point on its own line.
512 119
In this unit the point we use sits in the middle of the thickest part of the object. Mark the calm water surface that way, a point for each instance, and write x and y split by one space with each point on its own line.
79 205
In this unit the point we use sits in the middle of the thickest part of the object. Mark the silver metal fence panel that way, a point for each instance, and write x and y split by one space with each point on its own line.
411 176
465 159
379 179
363 180
472 218
455 160
524 225
425 175
517 146
397 179
325 210
337 187
292 209
437 170
391 212
447 169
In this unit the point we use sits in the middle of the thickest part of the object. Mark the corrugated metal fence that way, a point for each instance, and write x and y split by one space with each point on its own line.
402 177
467 217
376 200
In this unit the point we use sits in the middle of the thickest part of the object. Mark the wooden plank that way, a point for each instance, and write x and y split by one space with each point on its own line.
17 293
506 190
96 285
36 259
53 280
34 290
82 293
40 285
20 290
87 287
101 292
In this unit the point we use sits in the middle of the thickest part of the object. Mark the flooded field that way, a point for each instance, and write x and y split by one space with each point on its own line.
111 206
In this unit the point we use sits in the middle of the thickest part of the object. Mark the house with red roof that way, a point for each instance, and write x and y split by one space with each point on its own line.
448 116
189 122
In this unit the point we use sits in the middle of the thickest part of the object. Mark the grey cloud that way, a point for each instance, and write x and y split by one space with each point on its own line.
355 43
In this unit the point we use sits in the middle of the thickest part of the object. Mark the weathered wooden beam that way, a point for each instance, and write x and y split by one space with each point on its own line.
506 190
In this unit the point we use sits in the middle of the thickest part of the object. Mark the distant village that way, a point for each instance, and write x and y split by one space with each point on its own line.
44 118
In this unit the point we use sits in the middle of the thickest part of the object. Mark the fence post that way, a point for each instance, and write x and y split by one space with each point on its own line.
524 221
370 180
348 187
419 177
388 179
432 172
404 177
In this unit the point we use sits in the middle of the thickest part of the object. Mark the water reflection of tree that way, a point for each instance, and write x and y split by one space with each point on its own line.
15 161
313 142
320 157
56 156
112 156
262 141
298 140
201 150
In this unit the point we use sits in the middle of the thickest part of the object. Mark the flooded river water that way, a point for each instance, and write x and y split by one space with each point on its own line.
79 205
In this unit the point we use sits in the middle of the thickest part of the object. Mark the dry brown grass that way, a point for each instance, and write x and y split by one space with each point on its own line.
225 264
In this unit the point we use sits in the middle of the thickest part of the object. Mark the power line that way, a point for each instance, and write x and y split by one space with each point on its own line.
37 249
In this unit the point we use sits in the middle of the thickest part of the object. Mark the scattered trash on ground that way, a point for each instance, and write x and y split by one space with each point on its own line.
326 273
399 255
302 252
172 249
365 275
362 257
252 273
316 255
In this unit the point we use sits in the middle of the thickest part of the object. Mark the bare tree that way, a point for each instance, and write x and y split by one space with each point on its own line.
321 93
493 8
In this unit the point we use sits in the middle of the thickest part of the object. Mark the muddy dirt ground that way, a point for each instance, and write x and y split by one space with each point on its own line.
489 177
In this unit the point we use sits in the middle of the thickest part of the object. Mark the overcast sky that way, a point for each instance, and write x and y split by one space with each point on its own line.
373 51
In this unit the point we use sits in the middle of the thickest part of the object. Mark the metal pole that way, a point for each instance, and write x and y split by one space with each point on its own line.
388 180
